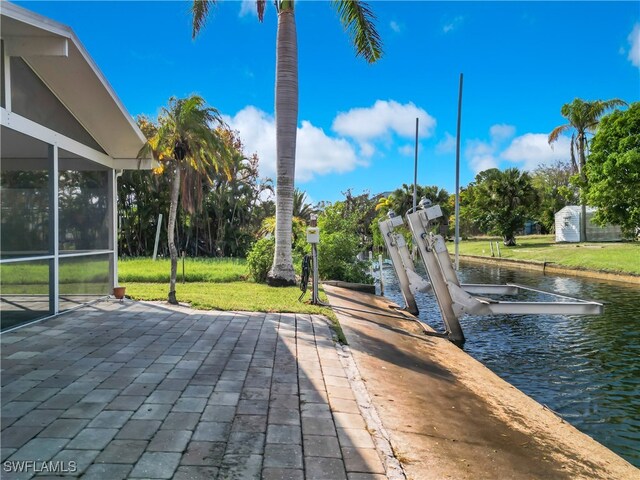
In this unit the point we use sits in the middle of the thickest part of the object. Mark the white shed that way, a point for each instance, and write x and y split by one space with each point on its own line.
567 222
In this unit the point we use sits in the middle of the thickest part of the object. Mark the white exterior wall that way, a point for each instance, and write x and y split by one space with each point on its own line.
567 223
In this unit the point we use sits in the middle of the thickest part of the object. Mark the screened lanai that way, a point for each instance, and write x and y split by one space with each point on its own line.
65 135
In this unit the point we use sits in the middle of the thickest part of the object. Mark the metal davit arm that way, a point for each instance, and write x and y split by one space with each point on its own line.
401 260
455 299
419 225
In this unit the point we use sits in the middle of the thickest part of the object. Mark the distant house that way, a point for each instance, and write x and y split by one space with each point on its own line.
65 138
567 222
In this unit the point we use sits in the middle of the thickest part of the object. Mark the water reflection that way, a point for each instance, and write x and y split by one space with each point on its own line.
586 368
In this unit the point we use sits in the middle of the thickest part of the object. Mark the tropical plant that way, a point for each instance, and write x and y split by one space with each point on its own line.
358 20
260 258
301 208
341 240
232 201
613 170
185 143
231 214
555 191
400 201
500 201
583 118
337 258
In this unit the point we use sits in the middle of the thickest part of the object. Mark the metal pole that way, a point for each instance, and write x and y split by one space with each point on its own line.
155 246
54 230
457 207
371 263
415 171
380 271
183 278
315 299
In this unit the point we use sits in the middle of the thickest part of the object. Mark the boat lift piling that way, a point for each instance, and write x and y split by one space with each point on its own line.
453 298
401 260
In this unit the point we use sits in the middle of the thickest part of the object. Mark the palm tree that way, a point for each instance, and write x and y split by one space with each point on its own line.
301 208
186 144
583 117
358 19
502 201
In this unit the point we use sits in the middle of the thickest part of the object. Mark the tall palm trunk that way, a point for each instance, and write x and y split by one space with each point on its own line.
282 272
171 229
583 179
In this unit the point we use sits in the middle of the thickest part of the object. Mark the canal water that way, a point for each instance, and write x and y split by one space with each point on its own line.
585 368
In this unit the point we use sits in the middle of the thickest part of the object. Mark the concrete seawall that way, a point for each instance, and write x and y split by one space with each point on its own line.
448 416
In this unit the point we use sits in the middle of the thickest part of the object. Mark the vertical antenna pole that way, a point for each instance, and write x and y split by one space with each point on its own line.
415 172
457 212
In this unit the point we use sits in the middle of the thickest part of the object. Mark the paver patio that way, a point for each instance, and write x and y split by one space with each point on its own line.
139 390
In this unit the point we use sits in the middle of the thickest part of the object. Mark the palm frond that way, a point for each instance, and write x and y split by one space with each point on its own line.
553 136
260 5
200 11
359 21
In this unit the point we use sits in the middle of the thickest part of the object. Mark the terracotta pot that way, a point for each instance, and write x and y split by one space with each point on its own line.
118 292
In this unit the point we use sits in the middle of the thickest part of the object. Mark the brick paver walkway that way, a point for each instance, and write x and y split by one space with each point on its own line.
135 390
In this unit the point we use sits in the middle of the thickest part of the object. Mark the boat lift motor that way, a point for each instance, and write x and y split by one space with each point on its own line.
453 298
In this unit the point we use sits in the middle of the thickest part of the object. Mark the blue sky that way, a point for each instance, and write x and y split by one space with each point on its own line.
521 62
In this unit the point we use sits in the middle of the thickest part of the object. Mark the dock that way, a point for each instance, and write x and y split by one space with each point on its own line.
447 416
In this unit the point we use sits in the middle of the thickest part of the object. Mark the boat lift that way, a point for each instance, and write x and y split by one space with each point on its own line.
455 299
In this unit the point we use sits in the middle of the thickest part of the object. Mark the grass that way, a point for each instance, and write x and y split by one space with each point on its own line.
215 284
613 257
72 271
212 270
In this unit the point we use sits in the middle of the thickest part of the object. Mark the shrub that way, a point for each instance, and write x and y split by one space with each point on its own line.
260 259
337 258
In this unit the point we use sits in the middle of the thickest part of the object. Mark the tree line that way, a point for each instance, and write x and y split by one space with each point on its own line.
233 211
216 204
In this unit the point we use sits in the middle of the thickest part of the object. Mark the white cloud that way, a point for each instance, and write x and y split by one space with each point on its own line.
447 144
526 151
407 150
502 132
480 156
248 7
383 119
367 149
533 149
395 26
316 152
483 155
634 42
452 24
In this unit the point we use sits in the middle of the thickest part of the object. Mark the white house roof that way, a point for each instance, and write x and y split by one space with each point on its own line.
58 57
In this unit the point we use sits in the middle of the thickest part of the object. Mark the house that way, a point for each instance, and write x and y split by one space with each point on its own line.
567 223
65 137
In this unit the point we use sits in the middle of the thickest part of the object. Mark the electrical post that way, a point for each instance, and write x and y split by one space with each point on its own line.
313 237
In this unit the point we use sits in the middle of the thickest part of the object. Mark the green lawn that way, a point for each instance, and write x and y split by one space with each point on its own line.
609 257
213 270
247 296
215 284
